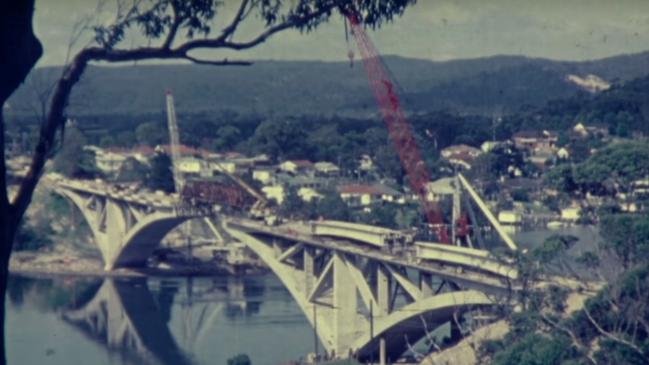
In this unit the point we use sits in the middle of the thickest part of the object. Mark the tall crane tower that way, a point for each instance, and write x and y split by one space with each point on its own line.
398 127
175 141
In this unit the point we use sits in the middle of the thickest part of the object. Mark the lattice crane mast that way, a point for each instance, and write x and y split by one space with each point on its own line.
398 127
174 140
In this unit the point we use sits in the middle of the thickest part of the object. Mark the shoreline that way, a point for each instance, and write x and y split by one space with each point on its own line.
61 264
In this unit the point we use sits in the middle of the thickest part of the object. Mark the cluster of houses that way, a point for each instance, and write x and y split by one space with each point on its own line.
309 179
539 148
542 150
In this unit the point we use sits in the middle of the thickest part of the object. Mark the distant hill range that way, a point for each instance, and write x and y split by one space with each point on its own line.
491 85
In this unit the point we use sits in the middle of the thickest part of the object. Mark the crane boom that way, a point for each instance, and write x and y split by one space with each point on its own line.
398 127
175 141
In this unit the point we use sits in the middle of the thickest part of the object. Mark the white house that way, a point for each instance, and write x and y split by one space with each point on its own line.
278 193
274 192
362 195
461 155
563 153
296 166
440 187
571 213
327 169
308 194
191 166
366 163
220 166
263 174
510 217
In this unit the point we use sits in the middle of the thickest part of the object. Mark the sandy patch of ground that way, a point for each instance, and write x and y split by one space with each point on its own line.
464 352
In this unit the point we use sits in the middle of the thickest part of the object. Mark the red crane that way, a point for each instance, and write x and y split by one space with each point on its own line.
398 127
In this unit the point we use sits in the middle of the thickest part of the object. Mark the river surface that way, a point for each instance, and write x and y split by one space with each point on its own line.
154 321
180 321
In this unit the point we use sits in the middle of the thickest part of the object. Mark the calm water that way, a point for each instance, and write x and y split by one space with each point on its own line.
154 321
588 237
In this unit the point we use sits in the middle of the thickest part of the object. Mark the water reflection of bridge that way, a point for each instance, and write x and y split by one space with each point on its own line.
130 320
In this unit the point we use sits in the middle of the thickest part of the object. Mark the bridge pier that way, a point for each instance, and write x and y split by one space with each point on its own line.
344 305
308 259
382 291
426 283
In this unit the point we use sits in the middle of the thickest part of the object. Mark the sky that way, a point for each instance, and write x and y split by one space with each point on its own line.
431 29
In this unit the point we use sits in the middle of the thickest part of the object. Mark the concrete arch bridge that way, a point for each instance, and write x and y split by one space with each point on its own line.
361 301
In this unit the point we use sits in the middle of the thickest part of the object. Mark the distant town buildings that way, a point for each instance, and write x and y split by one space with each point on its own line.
358 195
461 156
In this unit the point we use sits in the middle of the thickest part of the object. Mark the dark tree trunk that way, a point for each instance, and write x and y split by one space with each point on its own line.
6 239
19 51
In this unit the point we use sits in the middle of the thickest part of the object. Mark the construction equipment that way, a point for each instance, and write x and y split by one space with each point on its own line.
175 141
206 191
398 127
260 208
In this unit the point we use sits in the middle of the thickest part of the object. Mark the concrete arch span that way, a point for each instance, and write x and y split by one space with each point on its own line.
126 234
144 238
406 325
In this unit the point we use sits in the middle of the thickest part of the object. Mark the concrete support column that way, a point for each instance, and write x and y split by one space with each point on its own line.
382 350
344 306
426 284
277 249
309 252
456 331
115 231
99 211
382 291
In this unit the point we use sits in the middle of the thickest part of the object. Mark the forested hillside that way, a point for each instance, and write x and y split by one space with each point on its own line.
484 85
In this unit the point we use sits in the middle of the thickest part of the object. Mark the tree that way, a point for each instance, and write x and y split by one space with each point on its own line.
226 138
151 134
621 164
294 207
73 160
627 236
331 206
132 170
173 29
282 139
161 176
560 178
381 215
33 238
388 163
241 359
611 328
501 161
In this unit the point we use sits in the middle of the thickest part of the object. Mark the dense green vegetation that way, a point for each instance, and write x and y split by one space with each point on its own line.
160 175
612 326
73 160
611 169
241 359
622 110
482 85
31 238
